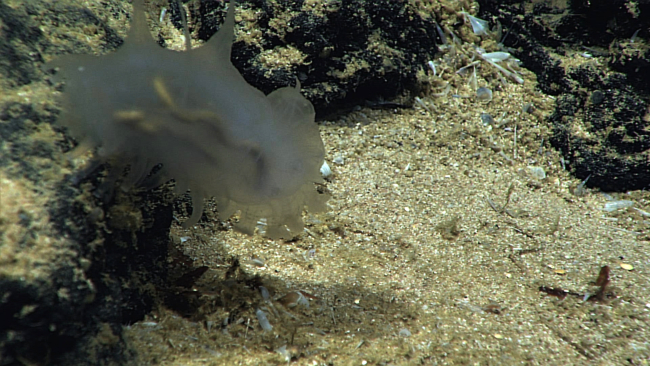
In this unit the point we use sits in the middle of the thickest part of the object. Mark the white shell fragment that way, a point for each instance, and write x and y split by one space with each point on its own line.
487 119
302 300
617 205
479 26
325 170
497 56
163 12
265 293
404 333
432 66
493 58
537 172
484 94
284 352
264 321
627 267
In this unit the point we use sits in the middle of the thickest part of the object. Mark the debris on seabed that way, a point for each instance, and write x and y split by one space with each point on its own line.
580 189
293 299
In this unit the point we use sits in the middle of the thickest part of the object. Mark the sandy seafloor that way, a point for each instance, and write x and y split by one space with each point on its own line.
412 265
398 284
393 289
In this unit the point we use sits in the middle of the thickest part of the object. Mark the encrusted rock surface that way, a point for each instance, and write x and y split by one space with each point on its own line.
584 53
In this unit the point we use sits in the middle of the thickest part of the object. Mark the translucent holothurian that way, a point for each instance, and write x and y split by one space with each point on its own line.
193 112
